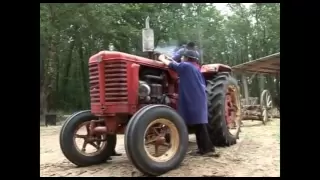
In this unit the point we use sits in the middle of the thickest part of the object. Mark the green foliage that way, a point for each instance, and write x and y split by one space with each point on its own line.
71 33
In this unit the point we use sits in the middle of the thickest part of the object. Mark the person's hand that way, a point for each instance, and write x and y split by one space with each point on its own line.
162 58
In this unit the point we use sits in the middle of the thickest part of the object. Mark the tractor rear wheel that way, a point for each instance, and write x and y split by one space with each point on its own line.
71 134
224 113
146 143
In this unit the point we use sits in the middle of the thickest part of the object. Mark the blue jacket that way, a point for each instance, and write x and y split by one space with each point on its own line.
192 102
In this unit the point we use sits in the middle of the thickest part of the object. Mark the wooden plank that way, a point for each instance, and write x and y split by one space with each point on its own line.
270 57
262 72
245 88
265 65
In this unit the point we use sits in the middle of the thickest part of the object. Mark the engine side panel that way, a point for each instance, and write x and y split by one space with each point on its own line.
160 85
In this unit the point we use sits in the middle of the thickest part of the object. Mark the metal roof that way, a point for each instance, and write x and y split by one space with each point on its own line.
265 65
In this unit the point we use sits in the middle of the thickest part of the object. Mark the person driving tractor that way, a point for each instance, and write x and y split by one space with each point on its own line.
177 55
183 44
192 103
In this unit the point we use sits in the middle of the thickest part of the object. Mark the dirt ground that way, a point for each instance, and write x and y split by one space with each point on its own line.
257 154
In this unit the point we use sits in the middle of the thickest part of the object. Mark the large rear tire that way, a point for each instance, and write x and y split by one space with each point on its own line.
218 92
135 139
68 145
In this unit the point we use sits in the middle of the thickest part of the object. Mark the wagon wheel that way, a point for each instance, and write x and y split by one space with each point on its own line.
266 105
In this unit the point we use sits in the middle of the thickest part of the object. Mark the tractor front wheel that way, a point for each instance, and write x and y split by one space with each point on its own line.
94 149
146 139
224 113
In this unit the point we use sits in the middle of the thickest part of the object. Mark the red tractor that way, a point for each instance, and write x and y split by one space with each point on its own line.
137 97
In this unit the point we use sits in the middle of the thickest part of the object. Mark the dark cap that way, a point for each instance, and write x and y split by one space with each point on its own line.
181 43
191 54
191 44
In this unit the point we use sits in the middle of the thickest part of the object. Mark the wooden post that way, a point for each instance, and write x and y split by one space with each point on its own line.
261 82
245 88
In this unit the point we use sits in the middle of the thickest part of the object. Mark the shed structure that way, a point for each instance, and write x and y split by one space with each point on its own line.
268 65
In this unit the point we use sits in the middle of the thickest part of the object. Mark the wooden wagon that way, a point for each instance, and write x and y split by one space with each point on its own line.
254 108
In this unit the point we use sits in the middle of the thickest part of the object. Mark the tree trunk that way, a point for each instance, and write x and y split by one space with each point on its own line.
67 68
84 75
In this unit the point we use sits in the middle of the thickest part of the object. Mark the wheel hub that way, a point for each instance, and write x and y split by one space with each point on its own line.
160 141
96 142
155 139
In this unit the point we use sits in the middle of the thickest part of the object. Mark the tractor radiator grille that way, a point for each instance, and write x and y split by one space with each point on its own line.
116 81
94 83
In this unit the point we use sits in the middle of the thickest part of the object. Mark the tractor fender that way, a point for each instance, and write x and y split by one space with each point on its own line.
215 68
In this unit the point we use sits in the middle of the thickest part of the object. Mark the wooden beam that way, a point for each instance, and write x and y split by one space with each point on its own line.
260 71
257 72
257 65
271 61
261 83
245 88
261 66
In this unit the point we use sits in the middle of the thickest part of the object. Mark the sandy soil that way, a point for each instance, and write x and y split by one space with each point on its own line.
256 154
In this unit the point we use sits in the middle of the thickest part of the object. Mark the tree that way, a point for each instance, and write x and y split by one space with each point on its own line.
71 33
